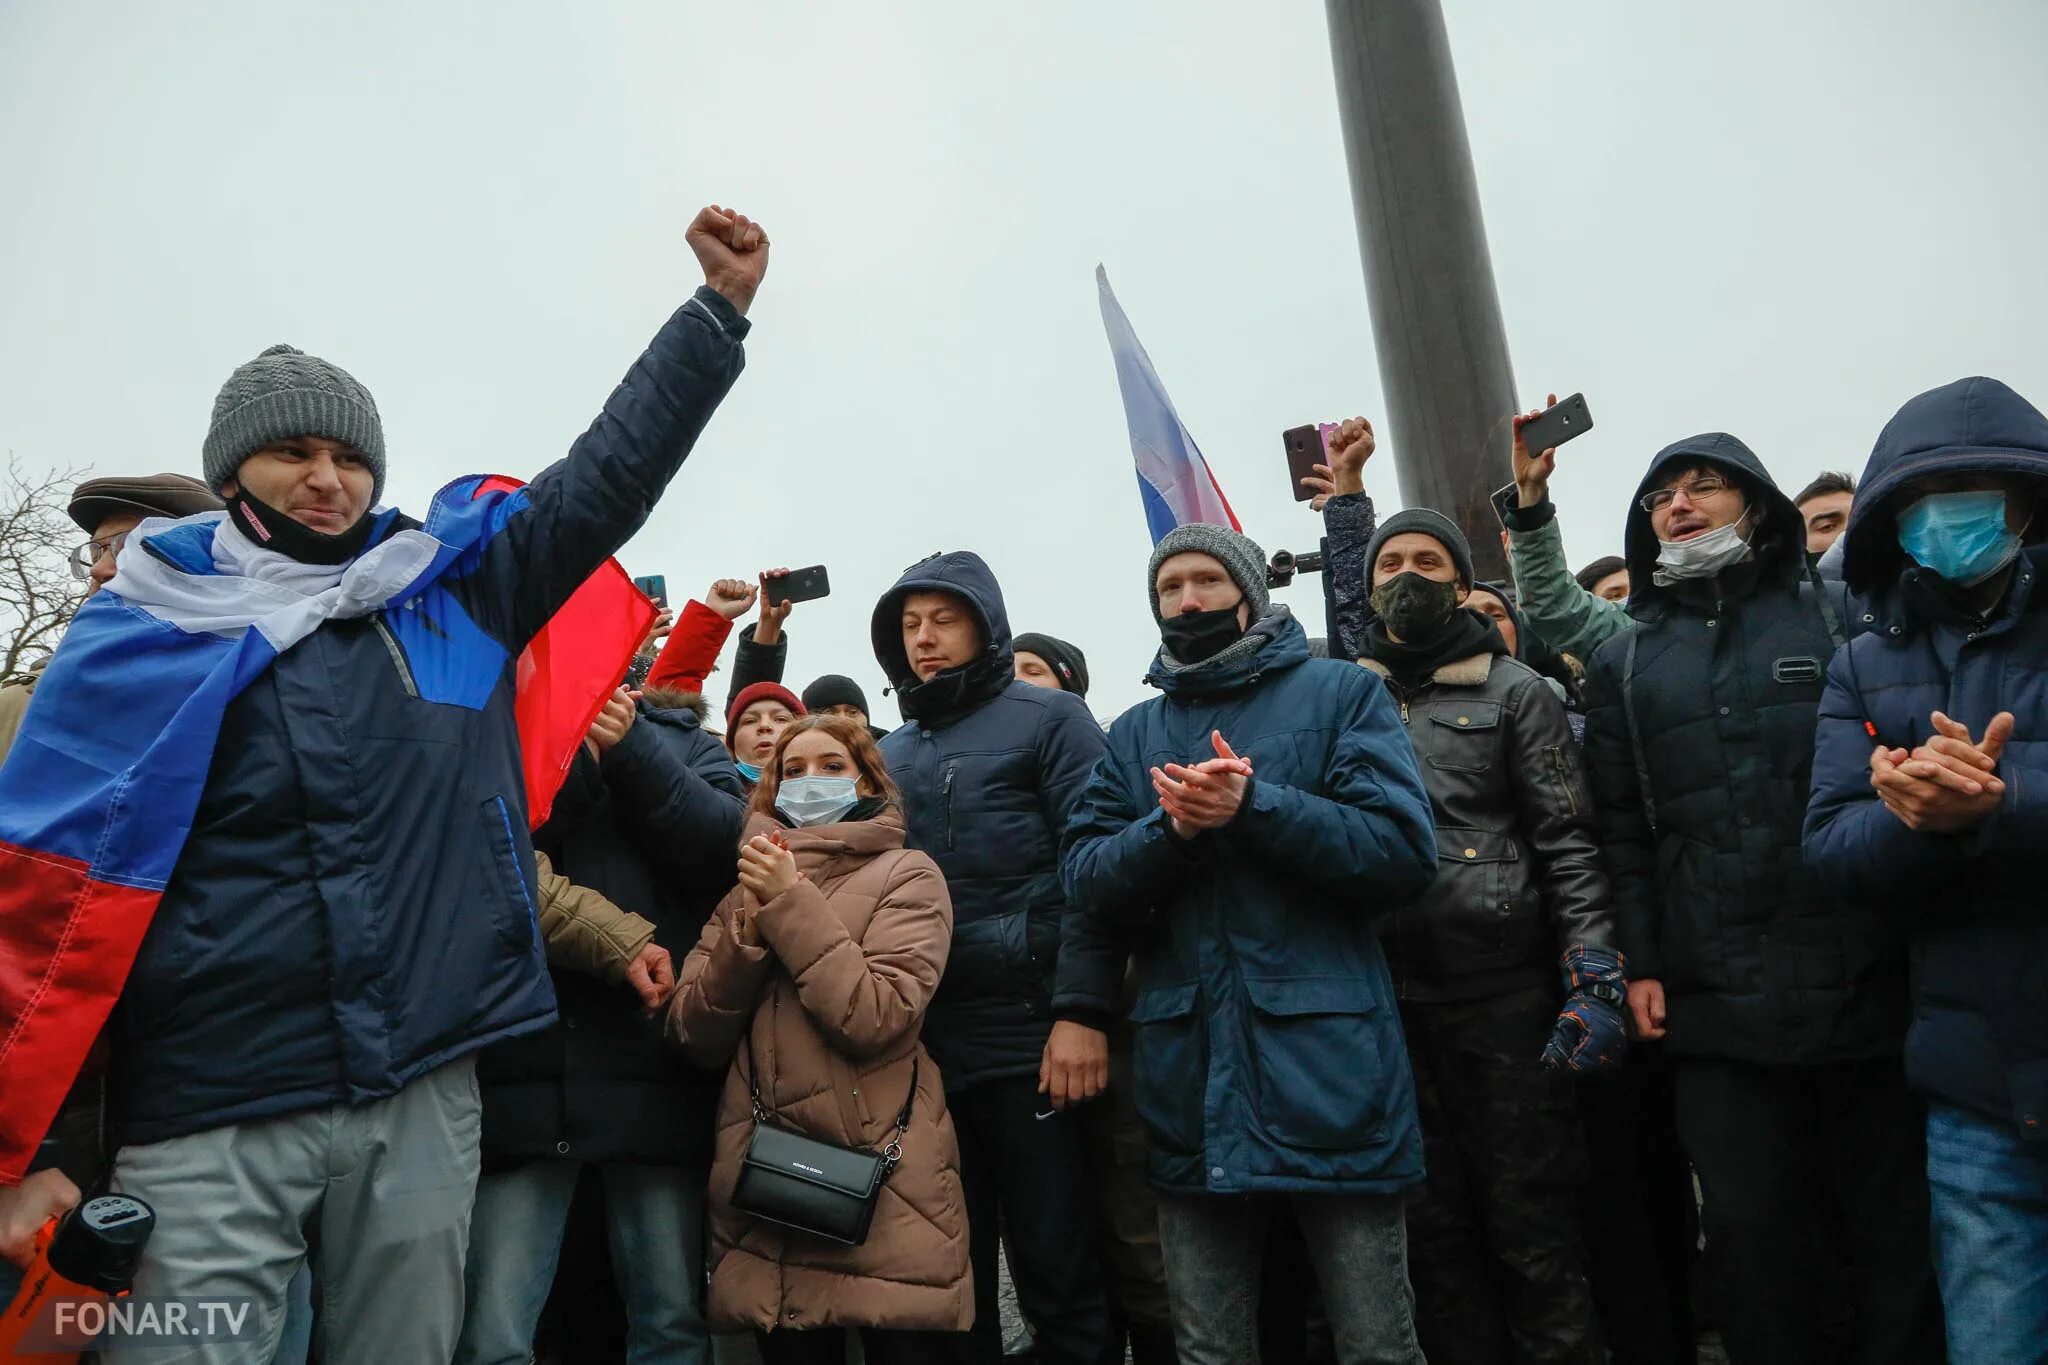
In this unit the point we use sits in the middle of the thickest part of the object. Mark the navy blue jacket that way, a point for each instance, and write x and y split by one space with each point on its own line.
1699 744
654 828
1979 1034
354 904
1268 1044
986 794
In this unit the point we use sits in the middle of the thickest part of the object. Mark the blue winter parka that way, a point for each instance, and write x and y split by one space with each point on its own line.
987 786
1979 1032
1269 1053
354 905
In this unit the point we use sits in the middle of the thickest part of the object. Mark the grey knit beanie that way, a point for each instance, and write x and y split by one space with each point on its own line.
1239 555
285 392
1423 521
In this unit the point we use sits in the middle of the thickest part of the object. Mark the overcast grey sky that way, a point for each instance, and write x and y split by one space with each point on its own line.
1780 220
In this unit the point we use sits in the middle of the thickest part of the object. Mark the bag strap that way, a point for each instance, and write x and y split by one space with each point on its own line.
1828 612
892 1152
1635 734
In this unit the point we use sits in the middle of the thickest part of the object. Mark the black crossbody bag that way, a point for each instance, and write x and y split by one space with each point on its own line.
817 1187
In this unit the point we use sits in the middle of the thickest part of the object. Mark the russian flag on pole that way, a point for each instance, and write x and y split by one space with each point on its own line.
1173 478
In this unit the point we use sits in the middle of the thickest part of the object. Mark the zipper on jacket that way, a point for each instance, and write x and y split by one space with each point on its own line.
518 865
1564 780
946 800
397 655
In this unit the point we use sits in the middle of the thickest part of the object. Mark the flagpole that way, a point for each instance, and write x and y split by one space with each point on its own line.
1443 355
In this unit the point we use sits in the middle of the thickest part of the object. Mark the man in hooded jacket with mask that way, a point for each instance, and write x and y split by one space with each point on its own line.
989 768
1782 1001
1249 827
1930 801
1519 905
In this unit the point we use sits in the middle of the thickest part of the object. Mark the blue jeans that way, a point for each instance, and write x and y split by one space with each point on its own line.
655 1215
1990 1188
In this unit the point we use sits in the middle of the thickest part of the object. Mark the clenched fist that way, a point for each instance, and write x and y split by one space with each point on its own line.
733 250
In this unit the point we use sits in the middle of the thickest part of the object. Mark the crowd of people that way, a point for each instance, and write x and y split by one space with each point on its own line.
1436 987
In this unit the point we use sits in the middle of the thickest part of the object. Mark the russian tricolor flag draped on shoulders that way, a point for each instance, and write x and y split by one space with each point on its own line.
1173 478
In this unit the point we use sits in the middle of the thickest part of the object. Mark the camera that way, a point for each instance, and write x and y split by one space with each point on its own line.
1286 564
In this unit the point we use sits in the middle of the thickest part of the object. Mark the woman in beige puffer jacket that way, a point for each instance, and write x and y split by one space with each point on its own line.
825 958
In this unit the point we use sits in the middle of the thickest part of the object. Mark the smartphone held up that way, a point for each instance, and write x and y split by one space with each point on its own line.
1307 447
798 585
1556 424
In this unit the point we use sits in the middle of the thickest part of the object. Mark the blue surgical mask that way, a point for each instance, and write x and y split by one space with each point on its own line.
808 801
747 770
1961 536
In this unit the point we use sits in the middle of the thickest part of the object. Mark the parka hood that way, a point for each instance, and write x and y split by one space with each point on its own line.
1780 535
1974 424
962 573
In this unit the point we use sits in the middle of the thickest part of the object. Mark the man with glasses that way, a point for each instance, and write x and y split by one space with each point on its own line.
106 510
1782 1003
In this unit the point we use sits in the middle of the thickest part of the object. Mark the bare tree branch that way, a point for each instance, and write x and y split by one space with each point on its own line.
37 592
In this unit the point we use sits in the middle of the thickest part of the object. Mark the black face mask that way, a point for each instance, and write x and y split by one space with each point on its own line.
1195 636
1415 609
273 530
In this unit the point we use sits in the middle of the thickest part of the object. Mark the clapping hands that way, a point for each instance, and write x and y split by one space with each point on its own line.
1207 795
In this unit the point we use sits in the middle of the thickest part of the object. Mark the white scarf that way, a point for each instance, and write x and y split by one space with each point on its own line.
253 587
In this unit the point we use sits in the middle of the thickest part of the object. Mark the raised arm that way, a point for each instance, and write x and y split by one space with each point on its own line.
1348 524
553 534
1571 619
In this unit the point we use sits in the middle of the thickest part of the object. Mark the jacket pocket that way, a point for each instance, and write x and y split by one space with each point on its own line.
1463 736
518 912
1320 1079
1170 1062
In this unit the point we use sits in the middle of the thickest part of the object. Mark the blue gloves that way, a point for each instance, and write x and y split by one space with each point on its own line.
1592 1030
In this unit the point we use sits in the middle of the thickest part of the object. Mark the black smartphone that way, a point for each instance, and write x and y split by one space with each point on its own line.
799 585
655 585
1552 427
1305 450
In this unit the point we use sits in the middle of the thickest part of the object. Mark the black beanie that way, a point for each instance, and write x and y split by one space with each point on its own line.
1068 664
834 689
1423 521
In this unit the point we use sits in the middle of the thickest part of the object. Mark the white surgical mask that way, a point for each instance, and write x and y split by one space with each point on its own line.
811 801
1703 556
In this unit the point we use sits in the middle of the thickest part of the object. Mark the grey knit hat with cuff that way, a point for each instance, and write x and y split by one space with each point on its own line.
283 393
1425 522
1239 555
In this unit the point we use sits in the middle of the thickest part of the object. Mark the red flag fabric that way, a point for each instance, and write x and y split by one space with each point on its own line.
569 670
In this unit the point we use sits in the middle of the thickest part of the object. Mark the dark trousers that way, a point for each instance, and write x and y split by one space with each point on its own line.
1806 1171
1028 1188
827 1346
1494 1247
1127 1211
1641 1219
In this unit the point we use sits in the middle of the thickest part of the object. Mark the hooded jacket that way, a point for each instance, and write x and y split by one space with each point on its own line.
1979 1036
831 997
1699 742
1268 1049
651 827
986 792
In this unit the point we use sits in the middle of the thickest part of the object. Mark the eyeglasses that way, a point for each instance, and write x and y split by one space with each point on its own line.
92 552
1699 490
